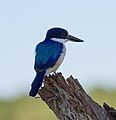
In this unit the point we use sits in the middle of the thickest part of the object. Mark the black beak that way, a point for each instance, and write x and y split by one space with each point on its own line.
74 39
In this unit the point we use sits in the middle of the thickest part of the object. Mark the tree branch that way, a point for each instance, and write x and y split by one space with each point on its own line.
68 100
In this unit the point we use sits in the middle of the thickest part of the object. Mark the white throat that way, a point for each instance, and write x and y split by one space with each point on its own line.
59 40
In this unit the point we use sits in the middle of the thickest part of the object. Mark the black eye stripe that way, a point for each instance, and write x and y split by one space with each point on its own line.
64 34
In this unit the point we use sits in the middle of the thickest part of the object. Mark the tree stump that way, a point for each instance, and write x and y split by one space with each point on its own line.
68 100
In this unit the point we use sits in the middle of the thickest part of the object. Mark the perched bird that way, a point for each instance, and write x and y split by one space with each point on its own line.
49 55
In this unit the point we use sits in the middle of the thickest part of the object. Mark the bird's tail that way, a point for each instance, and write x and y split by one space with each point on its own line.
36 84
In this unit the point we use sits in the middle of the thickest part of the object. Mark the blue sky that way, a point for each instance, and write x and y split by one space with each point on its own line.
23 23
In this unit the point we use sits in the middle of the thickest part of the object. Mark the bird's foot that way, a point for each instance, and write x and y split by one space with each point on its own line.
55 73
37 96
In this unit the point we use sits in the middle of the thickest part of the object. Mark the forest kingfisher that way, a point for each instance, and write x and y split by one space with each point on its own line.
49 55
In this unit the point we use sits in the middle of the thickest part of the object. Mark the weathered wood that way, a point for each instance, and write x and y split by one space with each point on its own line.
68 100
111 112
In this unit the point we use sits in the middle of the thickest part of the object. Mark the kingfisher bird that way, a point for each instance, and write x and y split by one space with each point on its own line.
49 55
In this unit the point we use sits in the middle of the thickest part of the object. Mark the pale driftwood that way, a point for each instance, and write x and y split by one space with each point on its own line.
68 100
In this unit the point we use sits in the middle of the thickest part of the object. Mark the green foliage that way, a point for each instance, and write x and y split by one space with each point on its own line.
27 108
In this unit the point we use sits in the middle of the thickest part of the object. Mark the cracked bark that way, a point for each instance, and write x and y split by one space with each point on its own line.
68 100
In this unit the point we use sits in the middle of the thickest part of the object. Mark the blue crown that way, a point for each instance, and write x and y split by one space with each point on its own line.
57 33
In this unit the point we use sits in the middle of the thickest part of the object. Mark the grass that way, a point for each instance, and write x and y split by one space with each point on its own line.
27 108
101 95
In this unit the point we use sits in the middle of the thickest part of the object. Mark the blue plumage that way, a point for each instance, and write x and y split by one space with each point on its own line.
36 84
49 55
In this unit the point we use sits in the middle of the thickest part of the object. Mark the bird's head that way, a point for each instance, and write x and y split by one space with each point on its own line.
61 35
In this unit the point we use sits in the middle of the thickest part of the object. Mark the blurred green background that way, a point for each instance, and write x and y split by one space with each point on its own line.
26 108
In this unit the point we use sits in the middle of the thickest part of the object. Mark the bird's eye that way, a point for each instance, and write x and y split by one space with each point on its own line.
64 34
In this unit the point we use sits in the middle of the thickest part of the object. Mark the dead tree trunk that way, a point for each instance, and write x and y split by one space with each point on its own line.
68 100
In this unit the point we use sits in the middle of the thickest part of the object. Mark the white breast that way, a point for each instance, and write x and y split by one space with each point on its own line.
58 62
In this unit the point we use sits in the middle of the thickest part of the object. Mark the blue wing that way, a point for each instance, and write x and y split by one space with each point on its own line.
47 53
